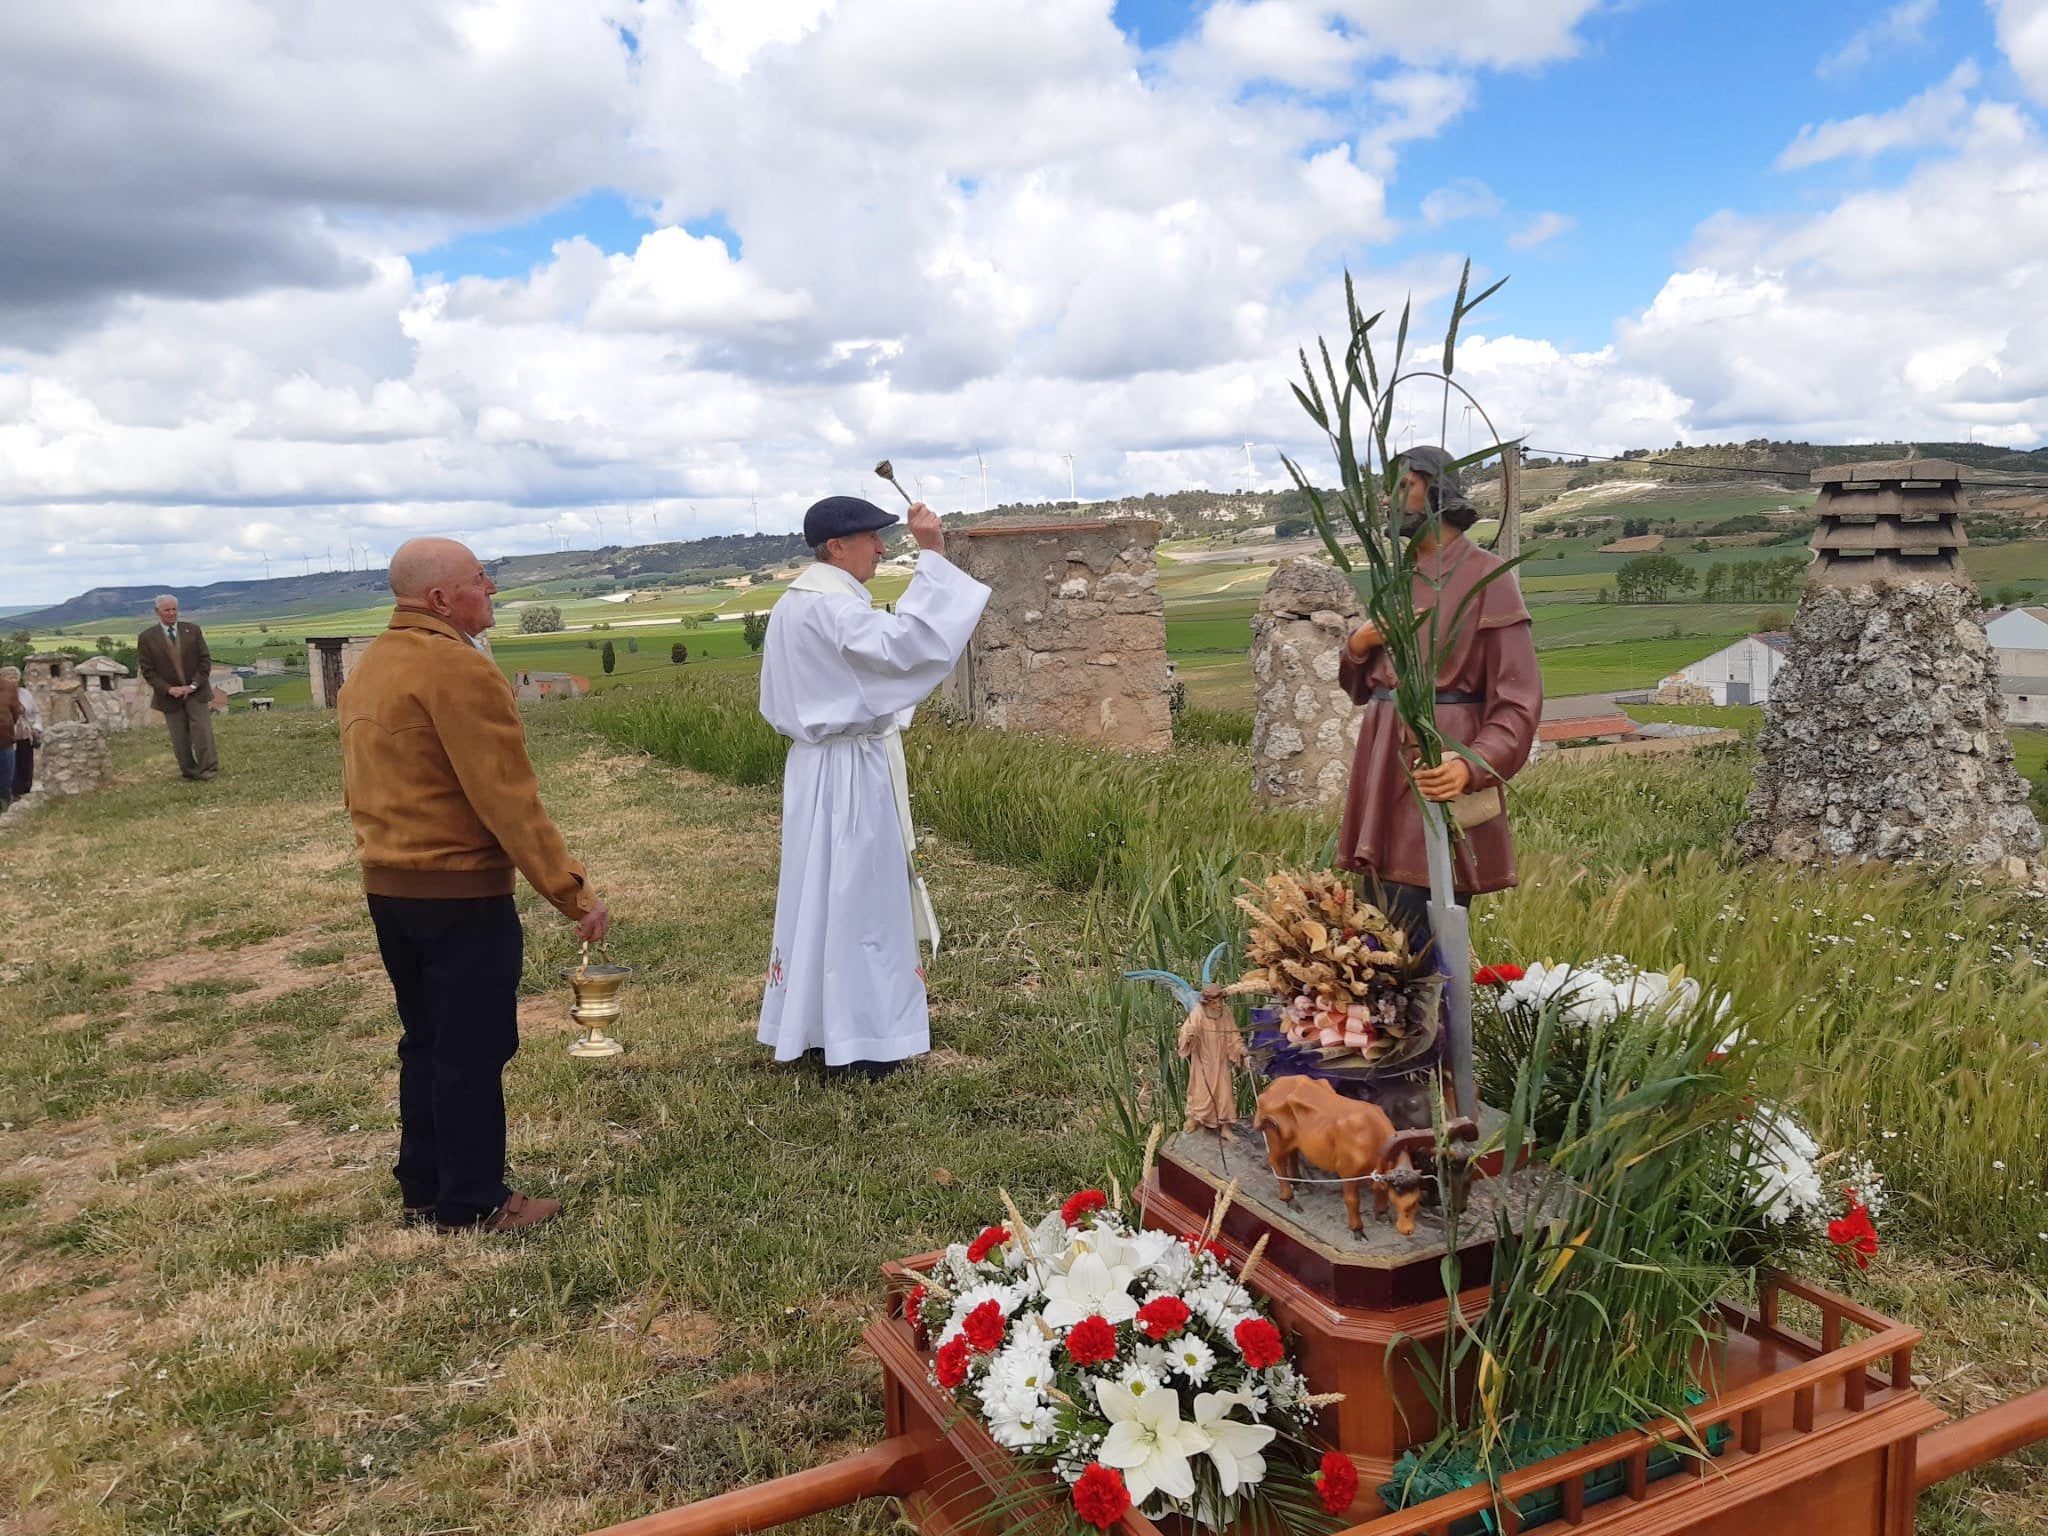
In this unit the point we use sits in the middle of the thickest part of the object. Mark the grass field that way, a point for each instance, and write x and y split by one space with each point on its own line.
211 1321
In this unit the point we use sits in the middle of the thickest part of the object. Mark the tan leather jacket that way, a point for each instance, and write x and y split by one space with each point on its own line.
436 778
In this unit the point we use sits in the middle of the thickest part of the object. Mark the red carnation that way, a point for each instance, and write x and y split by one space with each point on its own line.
1091 1341
1337 1482
1498 975
950 1364
1259 1342
1163 1316
1854 1233
913 1304
991 1237
1080 1205
1100 1496
985 1326
1197 1247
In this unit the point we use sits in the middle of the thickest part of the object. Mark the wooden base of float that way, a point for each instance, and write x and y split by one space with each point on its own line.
1823 1432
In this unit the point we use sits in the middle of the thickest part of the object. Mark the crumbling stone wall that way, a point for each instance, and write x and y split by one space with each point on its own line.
1306 728
74 758
1885 736
1073 641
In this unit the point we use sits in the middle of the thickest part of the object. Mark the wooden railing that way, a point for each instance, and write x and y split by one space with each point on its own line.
1742 1412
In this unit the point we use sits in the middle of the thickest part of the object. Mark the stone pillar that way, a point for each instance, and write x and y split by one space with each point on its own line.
1073 642
1885 733
73 759
1306 727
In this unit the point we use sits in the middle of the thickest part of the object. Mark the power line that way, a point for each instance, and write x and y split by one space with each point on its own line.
1749 469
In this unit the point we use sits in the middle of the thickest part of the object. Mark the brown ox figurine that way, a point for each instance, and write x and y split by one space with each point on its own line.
1304 1117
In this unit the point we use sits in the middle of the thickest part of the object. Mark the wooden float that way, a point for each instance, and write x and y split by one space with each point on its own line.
1811 1404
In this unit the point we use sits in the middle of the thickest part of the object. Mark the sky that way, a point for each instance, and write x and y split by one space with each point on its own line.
283 283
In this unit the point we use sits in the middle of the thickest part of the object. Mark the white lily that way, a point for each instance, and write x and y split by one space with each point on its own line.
1150 1443
1234 1446
1090 1288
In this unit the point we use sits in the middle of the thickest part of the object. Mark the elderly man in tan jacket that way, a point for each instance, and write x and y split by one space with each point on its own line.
446 807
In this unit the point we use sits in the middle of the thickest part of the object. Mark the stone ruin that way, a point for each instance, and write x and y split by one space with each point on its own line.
73 759
1885 734
97 690
1073 642
1306 727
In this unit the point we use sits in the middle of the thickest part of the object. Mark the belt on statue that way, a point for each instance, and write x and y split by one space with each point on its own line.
1443 696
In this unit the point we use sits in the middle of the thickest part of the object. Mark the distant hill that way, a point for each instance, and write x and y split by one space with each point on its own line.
594 570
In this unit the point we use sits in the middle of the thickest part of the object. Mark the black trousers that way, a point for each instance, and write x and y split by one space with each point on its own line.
24 768
455 966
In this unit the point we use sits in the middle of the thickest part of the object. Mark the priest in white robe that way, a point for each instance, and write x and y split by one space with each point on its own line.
840 679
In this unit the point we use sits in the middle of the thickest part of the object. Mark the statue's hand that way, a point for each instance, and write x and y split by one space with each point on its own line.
1448 780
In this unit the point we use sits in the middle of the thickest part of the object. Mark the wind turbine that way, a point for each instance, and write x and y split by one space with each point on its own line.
600 528
629 527
1072 494
755 503
984 479
1251 476
266 564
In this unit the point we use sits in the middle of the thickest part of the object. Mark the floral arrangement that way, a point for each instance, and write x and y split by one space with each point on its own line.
1344 973
1132 1364
1804 1195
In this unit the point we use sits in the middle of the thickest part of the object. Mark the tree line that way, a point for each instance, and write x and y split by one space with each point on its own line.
1659 578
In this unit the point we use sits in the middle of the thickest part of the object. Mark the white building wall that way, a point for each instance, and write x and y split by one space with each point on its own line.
1748 662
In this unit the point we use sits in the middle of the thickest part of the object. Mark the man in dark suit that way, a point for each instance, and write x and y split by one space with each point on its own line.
176 665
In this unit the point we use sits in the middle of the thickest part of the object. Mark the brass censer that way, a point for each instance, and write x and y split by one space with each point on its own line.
597 1004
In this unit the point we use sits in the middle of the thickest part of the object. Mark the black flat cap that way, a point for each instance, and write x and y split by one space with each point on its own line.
837 516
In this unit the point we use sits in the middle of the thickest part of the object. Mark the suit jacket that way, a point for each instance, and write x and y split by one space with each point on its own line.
163 670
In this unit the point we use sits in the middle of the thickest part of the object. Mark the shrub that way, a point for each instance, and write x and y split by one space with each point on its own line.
608 658
633 645
678 653
755 626
540 619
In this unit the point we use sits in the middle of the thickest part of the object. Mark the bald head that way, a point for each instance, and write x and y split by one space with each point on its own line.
423 564
442 577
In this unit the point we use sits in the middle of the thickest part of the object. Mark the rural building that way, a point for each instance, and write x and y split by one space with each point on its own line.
331 658
2019 638
226 680
1073 642
1741 673
528 686
269 666
95 691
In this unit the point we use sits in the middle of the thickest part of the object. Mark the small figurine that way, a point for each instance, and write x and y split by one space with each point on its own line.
1213 1048
1209 1042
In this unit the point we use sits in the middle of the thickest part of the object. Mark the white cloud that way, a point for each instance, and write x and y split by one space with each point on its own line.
1465 198
995 228
1935 116
2023 35
1902 29
1544 227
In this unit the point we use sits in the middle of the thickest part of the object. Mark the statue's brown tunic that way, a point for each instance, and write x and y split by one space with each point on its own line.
1491 655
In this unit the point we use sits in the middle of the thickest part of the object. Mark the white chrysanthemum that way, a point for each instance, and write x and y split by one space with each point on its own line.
1021 1424
1156 1358
1136 1379
1174 1267
1217 1302
1784 1179
1024 1364
1193 1359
